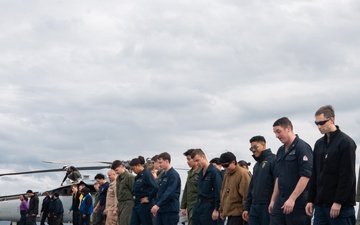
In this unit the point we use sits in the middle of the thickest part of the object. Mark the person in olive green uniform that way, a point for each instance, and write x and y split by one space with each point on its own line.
190 193
124 184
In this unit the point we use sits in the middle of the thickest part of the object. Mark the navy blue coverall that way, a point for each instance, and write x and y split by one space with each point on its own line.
291 165
144 186
168 198
208 196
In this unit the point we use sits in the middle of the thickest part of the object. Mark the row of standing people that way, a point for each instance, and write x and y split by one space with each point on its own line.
288 188
285 188
52 209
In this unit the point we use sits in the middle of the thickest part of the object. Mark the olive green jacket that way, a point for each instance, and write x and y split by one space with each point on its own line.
124 184
190 193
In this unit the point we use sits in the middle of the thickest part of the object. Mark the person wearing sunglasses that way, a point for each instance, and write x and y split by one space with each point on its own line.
234 189
333 180
294 162
261 184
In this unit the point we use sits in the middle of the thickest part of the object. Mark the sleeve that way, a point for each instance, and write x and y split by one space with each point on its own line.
244 186
36 210
217 182
184 197
347 174
305 160
170 192
87 205
312 190
67 173
249 197
152 186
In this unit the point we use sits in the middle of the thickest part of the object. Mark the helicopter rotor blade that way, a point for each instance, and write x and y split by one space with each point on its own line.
54 170
75 162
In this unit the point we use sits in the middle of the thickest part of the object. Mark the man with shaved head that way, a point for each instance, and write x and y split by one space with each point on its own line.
111 200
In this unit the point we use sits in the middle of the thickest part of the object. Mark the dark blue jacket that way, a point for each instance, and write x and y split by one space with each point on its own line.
210 185
102 193
333 176
86 205
169 191
263 180
144 186
58 207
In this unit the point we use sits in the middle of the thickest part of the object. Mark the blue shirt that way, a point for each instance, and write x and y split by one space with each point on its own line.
102 193
169 191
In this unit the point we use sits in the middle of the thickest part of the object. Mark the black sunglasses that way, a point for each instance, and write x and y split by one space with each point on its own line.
225 165
321 122
253 148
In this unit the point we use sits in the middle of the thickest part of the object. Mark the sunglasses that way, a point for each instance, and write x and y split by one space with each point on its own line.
253 148
225 165
321 122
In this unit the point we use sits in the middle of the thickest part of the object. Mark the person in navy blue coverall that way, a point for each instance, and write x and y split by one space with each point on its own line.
144 191
206 210
294 162
167 206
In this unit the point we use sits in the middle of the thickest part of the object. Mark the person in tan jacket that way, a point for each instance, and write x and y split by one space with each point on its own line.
234 189
111 200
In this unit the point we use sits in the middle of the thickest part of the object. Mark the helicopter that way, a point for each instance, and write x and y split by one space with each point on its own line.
9 204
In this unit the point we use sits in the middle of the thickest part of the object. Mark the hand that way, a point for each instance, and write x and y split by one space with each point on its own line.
95 209
144 200
309 209
215 215
83 215
288 206
154 210
335 210
183 212
271 206
68 211
105 212
245 215
114 212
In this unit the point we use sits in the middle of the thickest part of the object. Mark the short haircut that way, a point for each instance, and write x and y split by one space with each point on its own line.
82 185
29 191
75 185
56 194
116 164
85 191
327 110
165 156
284 122
197 151
243 163
155 158
227 157
135 162
99 176
216 160
188 152
258 138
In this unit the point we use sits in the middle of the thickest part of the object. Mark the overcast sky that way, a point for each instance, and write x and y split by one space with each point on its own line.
91 80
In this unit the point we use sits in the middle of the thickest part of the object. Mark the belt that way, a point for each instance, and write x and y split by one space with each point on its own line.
206 200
